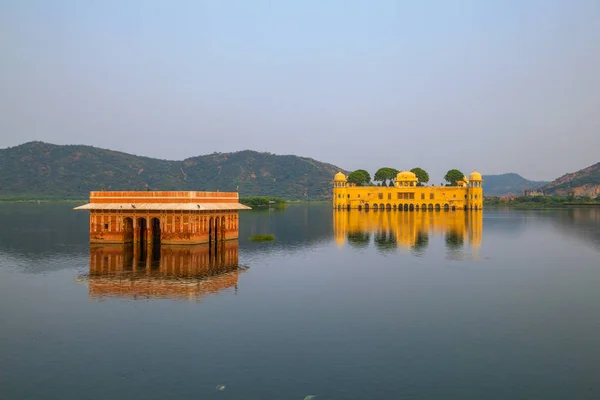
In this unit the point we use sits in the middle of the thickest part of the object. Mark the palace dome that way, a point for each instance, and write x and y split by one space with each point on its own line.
406 176
475 176
339 177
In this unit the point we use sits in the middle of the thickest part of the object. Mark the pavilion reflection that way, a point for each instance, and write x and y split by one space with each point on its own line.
168 272
412 230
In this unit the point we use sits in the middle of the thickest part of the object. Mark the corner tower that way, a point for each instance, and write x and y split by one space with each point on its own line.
475 191
339 191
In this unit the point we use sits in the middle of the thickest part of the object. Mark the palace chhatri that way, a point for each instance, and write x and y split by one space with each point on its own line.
407 195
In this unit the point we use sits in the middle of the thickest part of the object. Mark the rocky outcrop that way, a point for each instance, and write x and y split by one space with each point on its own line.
585 182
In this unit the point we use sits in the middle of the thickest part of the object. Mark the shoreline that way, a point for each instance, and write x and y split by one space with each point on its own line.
542 207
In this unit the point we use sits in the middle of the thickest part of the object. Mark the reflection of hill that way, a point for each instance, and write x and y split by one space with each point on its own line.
30 230
391 230
34 234
187 272
583 223
294 227
505 222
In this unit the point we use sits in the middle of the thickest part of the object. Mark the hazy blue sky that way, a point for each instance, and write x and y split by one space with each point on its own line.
501 86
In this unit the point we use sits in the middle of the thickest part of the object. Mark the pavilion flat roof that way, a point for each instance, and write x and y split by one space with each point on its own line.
164 206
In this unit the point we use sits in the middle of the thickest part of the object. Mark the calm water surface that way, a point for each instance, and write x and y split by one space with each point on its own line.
345 305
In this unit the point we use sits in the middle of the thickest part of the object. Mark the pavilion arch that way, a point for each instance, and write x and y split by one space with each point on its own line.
375 206
430 207
406 207
424 207
381 206
142 232
446 207
437 207
412 207
155 229
388 206
366 206
359 207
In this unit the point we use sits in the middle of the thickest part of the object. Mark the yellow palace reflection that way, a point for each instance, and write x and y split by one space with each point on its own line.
170 272
409 230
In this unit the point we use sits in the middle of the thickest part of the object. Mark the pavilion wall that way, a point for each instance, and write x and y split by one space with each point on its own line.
176 227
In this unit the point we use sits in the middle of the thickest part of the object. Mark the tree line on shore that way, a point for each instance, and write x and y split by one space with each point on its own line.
385 177
541 201
262 201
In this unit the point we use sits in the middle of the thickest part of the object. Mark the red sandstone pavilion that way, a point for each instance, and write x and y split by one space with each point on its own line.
163 217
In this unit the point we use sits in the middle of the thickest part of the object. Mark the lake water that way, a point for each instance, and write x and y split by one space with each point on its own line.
344 305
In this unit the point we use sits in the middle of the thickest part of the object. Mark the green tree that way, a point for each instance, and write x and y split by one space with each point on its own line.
385 174
360 177
421 174
453 176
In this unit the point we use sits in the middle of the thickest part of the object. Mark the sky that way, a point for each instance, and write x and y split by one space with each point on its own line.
497 86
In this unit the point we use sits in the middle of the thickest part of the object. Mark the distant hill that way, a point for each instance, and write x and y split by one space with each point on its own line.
508 184
42 170
585 182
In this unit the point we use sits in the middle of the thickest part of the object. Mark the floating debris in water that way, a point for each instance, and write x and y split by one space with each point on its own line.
220 388
311 396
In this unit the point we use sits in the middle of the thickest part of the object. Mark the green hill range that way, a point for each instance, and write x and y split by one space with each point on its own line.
508 184
38 170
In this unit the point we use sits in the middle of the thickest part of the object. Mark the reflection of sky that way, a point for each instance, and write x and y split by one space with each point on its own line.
529 235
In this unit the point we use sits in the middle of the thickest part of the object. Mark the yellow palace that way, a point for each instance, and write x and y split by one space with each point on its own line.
405 195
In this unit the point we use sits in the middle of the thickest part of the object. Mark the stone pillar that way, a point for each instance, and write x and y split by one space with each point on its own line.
149 230
149 254
136 232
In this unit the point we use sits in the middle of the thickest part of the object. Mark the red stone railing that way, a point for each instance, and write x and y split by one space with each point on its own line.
164 197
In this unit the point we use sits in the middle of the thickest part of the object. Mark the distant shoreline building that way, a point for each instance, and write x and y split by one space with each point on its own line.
405 195
160 218
533 192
